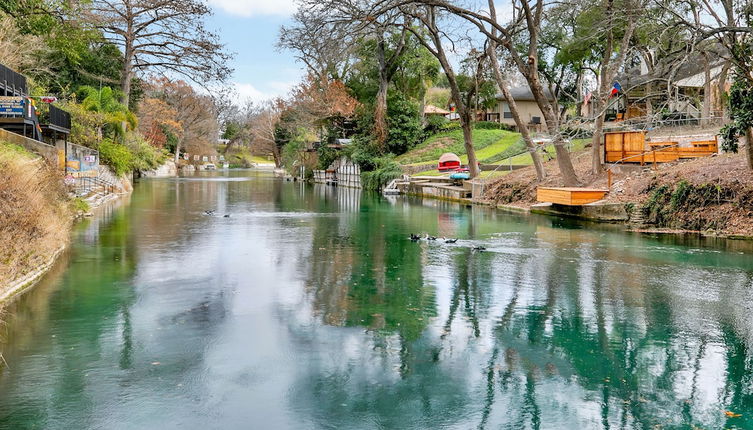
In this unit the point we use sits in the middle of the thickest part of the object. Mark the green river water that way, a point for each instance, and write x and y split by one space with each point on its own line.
309 308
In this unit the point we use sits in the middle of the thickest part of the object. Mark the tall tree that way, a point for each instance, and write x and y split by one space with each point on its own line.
433 40
524 53
504 86
195 113
729 23
378 32
160 36
616 17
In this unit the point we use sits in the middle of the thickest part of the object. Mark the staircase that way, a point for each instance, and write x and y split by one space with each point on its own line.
94 190
637 219
391 188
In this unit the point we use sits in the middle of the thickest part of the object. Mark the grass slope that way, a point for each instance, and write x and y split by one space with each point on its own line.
487 144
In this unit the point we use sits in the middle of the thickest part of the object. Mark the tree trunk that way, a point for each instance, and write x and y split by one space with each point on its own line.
380 105
721 89
468 144
749 146
598 137
569 178
466 121
601 101
380 113
706 107
522 127
127 73
176 157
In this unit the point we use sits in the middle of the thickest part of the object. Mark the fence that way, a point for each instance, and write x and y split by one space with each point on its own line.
11 83
57 117
342 172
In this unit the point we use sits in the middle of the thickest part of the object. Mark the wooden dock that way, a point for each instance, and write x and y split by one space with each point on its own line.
570 196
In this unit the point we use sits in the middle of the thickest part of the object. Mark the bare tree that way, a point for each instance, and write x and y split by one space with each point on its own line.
620 16
503 85
165 36
433 39
510 37
194 113
263 121
326 48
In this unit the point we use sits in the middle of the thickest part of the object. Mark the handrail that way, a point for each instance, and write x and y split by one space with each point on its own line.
87 183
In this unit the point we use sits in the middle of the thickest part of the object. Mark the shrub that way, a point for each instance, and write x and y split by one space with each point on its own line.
434 124
80 205
404 124
34 213
490 125
386 169
326 156
450 126
144 156
115 155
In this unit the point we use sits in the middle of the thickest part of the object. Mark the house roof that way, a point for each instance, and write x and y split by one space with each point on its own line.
448 156
699 79
433 110
524 94
680 67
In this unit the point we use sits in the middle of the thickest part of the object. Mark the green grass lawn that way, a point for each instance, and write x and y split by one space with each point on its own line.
261 160
483 175
525 158
486 142
519 160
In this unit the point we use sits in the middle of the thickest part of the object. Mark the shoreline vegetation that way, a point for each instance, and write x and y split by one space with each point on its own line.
35 216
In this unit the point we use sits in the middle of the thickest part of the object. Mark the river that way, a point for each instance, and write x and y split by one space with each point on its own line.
309 308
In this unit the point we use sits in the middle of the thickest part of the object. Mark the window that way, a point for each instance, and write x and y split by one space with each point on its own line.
536 120
508 115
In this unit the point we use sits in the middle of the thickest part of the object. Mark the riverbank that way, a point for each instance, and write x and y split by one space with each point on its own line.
37 215
710 195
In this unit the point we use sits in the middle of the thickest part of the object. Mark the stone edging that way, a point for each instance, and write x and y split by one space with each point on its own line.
27 281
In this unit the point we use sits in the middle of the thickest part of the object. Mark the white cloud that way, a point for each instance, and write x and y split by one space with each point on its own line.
249 8
248 92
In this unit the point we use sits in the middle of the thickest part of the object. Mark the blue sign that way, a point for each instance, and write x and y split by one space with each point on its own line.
12 106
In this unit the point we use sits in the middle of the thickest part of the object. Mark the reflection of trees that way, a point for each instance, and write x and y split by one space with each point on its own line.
632 360
364 272
98 270
597 319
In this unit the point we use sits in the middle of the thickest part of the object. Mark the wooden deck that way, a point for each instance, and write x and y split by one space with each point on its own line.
569 196
632 147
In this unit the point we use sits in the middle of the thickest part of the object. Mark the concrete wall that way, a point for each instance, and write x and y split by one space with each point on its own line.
123 183
49 152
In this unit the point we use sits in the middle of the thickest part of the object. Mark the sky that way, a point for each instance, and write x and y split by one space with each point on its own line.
249 29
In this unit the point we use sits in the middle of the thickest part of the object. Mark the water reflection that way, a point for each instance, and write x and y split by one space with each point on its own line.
310 308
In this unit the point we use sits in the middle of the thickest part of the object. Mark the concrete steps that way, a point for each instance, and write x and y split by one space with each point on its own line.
637 219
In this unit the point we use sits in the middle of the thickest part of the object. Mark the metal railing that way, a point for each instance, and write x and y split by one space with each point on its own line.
12 83
59 117
84 185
